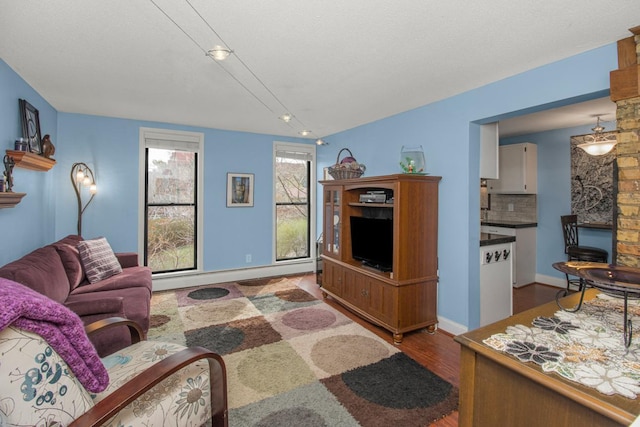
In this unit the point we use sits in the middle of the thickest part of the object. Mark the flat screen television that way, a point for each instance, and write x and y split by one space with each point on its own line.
372 242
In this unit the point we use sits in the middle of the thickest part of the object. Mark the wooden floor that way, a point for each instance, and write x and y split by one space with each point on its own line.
438 352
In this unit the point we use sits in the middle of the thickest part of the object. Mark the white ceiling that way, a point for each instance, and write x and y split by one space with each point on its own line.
563 117
333 64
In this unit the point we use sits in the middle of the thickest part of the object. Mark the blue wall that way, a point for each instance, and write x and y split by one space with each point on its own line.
30 224
229 233
446 129
111 147
450 138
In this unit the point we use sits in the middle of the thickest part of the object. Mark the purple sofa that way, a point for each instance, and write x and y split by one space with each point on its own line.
56 271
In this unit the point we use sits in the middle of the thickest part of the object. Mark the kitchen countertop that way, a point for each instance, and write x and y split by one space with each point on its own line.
487 239
508 224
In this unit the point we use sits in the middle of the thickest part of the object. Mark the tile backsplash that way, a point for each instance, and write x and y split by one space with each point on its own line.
509 207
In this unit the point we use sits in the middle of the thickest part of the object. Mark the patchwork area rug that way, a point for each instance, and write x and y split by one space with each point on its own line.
294 360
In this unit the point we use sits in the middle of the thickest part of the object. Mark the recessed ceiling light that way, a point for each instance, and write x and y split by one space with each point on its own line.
320 141
219 53
286 117
305 132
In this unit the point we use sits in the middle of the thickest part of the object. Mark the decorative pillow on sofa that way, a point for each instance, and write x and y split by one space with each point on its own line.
70 257
98 260
72 265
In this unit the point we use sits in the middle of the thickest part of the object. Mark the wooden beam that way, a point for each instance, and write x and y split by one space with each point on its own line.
625 81
627 53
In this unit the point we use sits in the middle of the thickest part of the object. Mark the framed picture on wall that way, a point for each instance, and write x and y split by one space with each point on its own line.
239 190
30 126
592 183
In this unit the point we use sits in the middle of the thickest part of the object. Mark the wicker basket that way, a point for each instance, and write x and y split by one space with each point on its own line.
346 170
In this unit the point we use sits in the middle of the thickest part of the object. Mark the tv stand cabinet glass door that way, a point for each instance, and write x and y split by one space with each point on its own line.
333 218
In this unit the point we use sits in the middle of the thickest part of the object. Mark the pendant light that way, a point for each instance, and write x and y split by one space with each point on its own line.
600 144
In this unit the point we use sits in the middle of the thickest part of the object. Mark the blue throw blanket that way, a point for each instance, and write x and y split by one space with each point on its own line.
63 330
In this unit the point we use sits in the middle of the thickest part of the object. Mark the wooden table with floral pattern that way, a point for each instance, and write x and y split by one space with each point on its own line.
515 372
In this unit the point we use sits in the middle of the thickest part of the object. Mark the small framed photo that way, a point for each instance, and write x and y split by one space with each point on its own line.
30 126
239 190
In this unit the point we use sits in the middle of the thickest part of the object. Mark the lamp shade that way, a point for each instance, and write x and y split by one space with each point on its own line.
598 148
600 143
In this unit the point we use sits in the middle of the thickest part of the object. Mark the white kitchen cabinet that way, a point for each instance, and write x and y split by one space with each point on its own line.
518 170
524 254
489 137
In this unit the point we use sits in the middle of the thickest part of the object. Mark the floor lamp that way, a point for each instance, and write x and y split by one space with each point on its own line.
82 176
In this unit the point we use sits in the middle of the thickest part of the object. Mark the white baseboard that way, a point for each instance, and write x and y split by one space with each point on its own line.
552 281
451 327
169 281
455 328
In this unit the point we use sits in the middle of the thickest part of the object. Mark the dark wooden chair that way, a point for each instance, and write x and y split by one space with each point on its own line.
575 252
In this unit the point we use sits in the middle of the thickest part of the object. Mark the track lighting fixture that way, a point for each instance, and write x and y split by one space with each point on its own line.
219 53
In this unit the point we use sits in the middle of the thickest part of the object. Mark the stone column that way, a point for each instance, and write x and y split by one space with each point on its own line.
625 92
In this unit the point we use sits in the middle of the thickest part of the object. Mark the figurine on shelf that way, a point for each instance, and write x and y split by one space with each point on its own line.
48 149
8 172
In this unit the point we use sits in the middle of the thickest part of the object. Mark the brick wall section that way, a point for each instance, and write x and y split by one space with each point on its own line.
628 159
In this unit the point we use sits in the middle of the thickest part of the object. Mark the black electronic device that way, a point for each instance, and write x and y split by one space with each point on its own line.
372 242
376 196
373 198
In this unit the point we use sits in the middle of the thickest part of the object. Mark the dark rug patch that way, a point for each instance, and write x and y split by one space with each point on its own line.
157 320
220 339
395 390
397 382
293 417
295 295
234 336
255 282
208 293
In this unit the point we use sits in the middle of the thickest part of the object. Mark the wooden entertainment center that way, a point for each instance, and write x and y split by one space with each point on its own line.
405 298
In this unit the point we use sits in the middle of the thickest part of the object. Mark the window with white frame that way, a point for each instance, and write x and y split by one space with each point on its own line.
172 199
294 178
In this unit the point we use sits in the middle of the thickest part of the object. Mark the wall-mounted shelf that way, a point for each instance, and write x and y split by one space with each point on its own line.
31 161
9 200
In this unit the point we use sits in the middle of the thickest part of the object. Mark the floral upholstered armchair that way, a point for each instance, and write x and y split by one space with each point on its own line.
51 375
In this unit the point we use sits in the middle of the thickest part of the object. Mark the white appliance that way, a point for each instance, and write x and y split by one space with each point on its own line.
496 275
524 252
